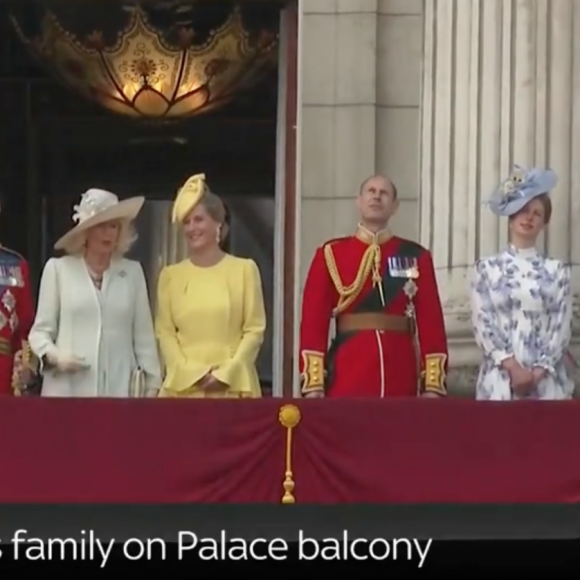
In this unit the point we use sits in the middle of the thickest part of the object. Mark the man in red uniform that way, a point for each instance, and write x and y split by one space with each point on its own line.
381 293
16 318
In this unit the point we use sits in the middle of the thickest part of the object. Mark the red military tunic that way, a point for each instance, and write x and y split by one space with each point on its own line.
377 275
16 313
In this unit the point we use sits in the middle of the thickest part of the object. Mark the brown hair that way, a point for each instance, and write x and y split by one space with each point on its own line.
546 202
215 207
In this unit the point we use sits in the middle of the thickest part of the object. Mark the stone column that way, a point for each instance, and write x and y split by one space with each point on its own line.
498 85
398 109
337 116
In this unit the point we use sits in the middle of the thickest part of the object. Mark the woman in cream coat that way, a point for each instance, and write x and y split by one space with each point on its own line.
211 316
93 330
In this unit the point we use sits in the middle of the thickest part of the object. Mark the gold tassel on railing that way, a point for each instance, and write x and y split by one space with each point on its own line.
289 417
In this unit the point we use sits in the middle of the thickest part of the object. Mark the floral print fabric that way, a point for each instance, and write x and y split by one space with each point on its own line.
521 306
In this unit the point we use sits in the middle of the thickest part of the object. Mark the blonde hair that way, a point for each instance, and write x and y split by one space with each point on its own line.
127 237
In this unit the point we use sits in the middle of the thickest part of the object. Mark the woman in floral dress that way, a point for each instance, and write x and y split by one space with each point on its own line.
522 301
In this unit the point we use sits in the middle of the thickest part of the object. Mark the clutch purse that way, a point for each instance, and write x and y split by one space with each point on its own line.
137 384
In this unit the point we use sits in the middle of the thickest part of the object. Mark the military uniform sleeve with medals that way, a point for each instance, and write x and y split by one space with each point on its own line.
16 317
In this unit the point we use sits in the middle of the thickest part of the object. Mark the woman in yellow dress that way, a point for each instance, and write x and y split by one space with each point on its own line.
211 317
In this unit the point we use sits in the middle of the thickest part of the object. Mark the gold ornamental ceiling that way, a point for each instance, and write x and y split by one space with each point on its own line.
166 60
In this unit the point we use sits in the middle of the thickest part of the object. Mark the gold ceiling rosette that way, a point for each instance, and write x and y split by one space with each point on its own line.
161 62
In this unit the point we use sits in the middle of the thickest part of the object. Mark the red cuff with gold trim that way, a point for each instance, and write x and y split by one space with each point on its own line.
312 371
435 374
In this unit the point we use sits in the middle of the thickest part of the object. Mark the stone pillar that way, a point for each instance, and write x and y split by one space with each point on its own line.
497 88
336 122
398 111
337 116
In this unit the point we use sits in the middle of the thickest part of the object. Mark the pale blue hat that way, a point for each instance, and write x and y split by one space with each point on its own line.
520 188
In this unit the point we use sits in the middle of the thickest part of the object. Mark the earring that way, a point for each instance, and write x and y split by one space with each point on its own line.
218 234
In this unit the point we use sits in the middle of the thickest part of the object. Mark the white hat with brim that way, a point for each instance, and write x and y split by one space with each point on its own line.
98 206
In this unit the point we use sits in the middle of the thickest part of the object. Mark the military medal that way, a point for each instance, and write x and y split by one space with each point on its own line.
9 301
394 266
4 277
410 289
11 276
411 268
15 276
402 267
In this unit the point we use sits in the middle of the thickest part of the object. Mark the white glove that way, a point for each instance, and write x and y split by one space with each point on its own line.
67 363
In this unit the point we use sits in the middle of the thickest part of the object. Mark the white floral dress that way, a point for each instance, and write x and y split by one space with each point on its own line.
522 307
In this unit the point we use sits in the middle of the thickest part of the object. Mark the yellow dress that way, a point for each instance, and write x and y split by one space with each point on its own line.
210 317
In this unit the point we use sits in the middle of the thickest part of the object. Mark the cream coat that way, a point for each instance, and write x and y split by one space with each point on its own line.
113 333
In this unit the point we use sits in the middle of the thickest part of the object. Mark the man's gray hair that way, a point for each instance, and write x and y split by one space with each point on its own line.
381 176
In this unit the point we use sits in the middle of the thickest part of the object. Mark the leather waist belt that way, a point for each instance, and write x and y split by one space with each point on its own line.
373 321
